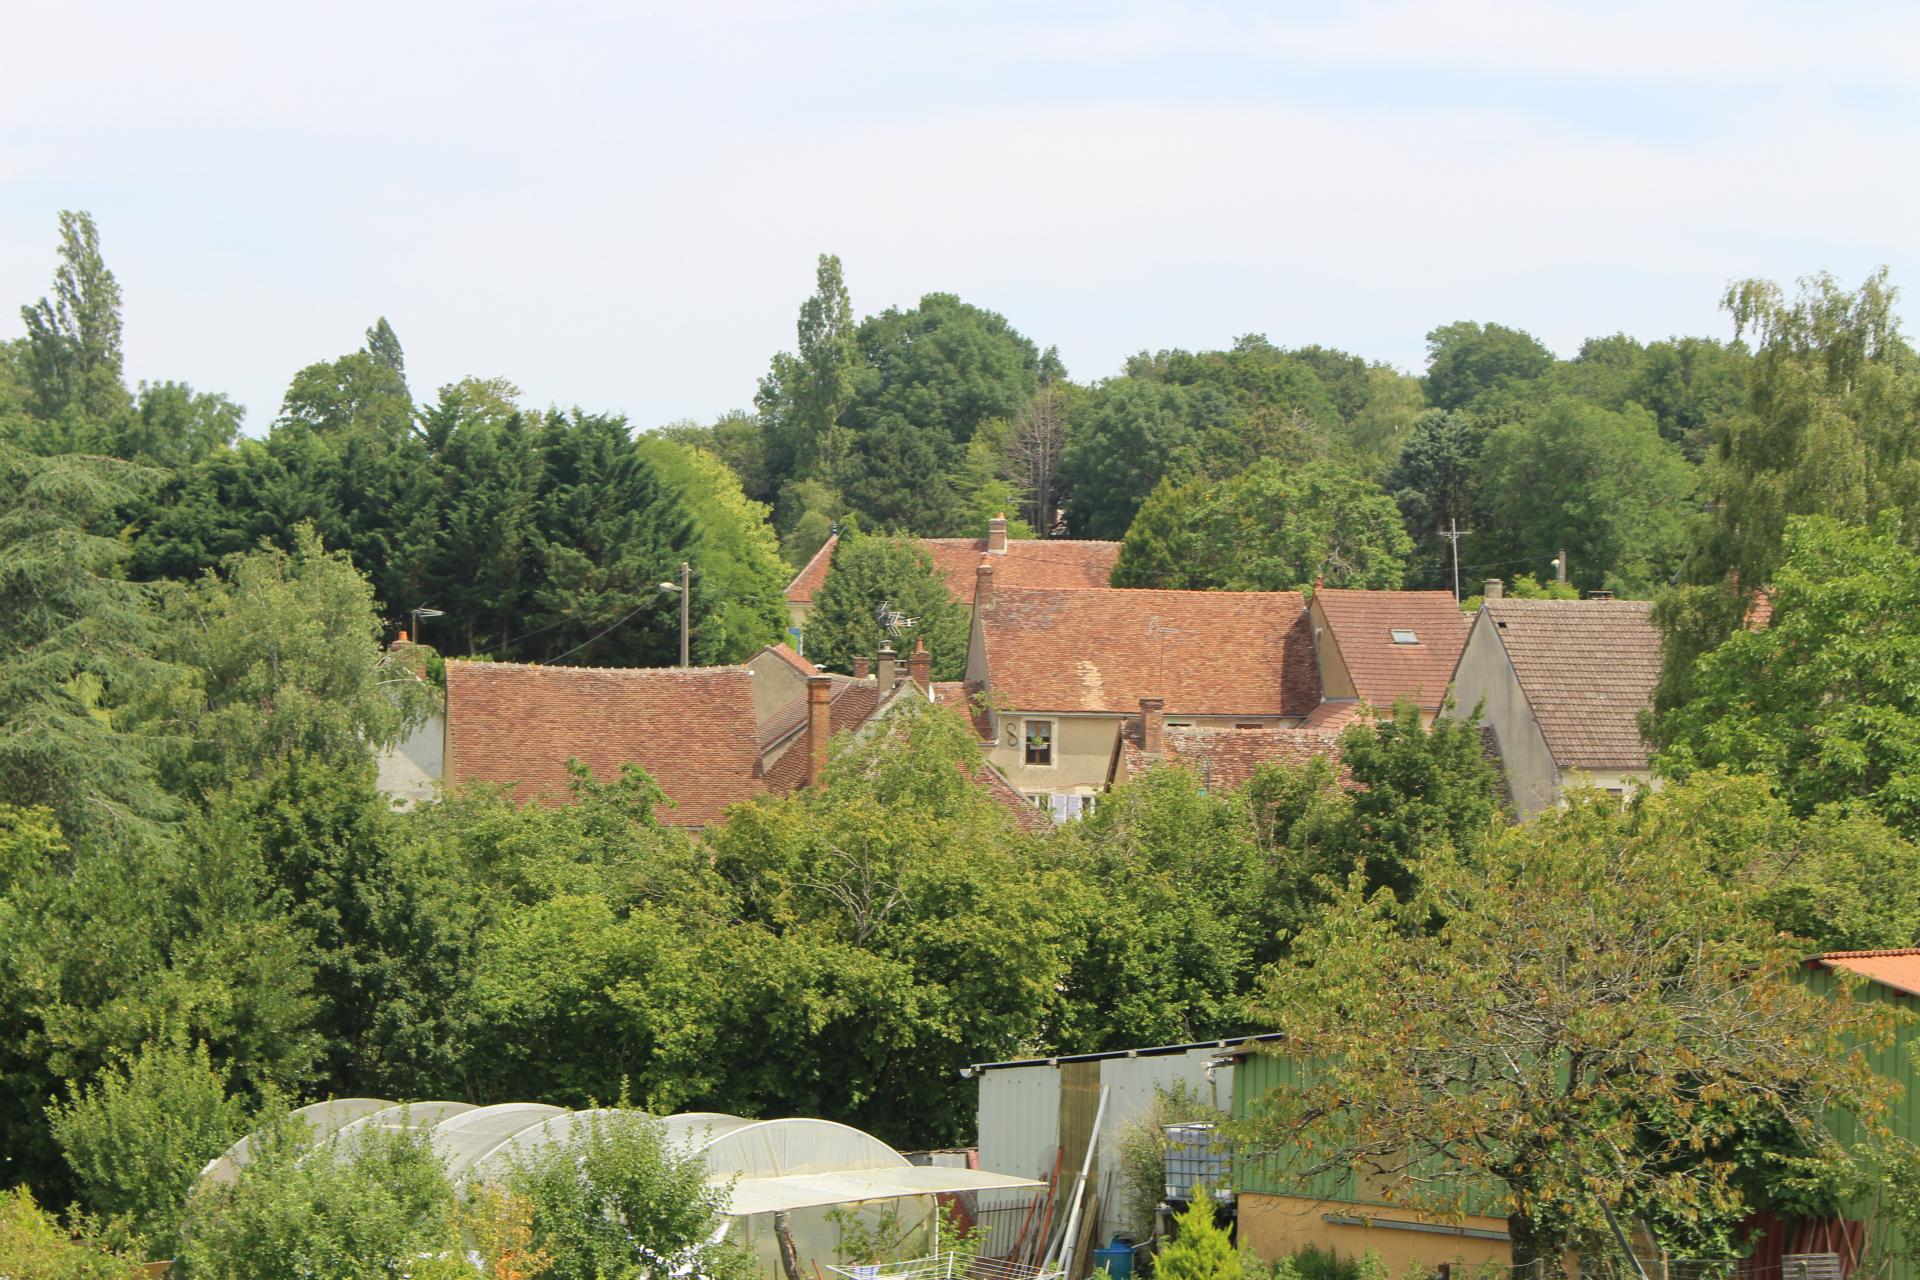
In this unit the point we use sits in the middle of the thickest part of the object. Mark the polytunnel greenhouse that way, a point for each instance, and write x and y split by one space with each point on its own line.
805 1169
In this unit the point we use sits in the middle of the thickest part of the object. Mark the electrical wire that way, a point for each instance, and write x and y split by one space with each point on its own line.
591 639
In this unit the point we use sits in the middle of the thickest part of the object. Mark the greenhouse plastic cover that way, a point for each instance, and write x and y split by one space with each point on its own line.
782 1193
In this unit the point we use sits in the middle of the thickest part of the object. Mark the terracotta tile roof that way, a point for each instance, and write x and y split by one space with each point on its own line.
1227 758
813 573
1026 815
1362 624
1587 667
693 730
792 717
1334 715
1205 652
1759 610
1059 563
852 705
1898 968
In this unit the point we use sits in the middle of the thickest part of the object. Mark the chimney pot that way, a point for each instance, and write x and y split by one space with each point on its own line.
983 584
861 666
920 667
1493 589
884 668
997 535
1153 725
819 728
402 637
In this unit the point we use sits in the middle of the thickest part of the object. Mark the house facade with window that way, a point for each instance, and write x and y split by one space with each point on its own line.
1060 673
1561 684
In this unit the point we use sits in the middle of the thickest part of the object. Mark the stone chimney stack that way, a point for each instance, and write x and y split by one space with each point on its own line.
1153 725
1493 589
983 584
883 668
819 728
861 666
997 535
920 666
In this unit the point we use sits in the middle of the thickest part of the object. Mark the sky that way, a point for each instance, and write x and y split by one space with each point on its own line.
619 205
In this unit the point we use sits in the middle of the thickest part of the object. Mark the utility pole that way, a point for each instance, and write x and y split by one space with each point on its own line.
1453 533
1560 566
686 594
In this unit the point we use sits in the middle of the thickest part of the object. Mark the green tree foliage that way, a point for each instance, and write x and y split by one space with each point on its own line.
1122 441
284 657
1465 359
1271 528
72 353
1435 482
803 398
895 935
1450 1048
614 1201
1603 486
374 1205
1823 699
870 572
734 554
75 650
138 1135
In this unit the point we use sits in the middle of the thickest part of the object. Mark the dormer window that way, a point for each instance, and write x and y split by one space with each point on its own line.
1403 635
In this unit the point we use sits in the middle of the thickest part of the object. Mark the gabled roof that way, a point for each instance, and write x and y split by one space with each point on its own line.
1102 650
692 729
786 654
1226 758
1898 968
1362 626
1059 563
792 717
960 695
1587 668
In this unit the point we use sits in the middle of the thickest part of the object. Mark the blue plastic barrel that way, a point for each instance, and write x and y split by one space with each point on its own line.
1116 1259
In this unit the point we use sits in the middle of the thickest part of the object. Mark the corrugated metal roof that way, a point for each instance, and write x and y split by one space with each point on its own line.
1230 1042
1898 968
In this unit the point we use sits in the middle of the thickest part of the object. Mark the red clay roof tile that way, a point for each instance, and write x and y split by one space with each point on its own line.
1204 652
692 729
1361 625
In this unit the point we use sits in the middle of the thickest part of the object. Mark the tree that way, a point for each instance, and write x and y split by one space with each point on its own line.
383 344
735 556
869 573
1435 482
1034 446
364 393
1823 699
1129 436
76 651
1465 359
1574 1017
284 657
804 397
1603 486
138 1135
173 426
1271 528
72 354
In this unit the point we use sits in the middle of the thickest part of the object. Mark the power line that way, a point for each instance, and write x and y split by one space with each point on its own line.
590 639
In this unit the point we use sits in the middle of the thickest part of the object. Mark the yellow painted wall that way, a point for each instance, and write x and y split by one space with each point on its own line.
1082 750
1275 1226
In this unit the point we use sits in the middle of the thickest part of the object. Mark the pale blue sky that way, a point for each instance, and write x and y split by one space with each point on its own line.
619 205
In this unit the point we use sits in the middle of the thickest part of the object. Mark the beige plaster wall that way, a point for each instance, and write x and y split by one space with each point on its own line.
1485 676
1335 680
1082 749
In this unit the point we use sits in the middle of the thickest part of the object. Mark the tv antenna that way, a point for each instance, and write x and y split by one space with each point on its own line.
891 620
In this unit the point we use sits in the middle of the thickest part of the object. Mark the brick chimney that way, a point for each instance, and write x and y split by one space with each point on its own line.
997 535
1153 726
819 728
861 666
883 668
983 584
920 666
1493 589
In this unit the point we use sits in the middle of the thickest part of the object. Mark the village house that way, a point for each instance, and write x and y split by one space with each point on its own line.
1561 685
1023 562
1384 647
1057 674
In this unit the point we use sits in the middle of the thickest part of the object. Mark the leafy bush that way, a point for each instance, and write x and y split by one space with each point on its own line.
34 1245
142 1131
1200 1248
